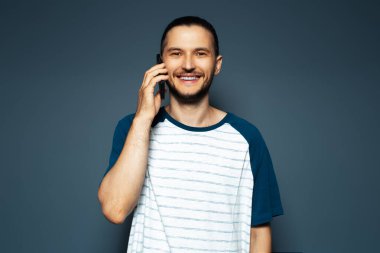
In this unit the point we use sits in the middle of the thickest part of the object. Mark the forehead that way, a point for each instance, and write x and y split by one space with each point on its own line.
192 36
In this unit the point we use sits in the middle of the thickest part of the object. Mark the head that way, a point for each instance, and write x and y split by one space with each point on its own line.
189 21
190 51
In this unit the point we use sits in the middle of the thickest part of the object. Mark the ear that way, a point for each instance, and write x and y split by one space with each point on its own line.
218 66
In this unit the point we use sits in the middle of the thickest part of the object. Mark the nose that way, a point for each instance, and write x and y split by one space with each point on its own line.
188 63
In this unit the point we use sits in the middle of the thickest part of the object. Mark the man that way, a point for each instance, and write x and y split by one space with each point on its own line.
197 178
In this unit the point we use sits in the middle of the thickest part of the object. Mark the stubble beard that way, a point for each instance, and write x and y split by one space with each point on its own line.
190 99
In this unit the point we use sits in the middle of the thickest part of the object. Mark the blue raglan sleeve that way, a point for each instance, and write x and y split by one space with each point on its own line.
118 141
266 201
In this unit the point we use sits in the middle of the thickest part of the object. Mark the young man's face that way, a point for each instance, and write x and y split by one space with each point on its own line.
191 62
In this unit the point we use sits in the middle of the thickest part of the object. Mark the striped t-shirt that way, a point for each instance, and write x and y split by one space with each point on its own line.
204 188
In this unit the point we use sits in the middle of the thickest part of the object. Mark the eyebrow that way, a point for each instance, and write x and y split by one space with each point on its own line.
196 49
173 49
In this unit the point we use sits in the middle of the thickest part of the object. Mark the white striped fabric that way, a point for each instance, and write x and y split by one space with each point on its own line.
197 192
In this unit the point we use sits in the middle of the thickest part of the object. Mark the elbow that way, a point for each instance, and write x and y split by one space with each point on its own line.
114 211
114 215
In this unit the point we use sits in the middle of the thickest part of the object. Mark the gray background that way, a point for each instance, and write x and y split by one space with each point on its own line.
306 73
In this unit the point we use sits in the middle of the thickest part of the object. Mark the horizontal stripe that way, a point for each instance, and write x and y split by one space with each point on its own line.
172 151
179 194
203 181
238 204
192 162
200 191
197 200
207 220
234 132
148 241
198 143
141 216
152 248
206 172
202 136
191 238
146 227
187 240
209 239
185 223
247 216
140 219
201 229
187 218
203 249
210 230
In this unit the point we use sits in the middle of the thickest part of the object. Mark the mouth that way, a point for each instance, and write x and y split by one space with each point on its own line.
189 78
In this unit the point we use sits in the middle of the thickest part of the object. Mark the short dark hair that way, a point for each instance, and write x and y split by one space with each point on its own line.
188 21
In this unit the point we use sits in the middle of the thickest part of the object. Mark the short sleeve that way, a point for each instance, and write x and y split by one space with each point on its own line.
266 201
118 141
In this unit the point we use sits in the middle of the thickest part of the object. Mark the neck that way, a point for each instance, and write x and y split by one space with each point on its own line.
195 115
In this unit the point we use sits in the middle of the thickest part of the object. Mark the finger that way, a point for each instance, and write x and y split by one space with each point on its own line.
149 88
153 74
147 74
155 67
155 80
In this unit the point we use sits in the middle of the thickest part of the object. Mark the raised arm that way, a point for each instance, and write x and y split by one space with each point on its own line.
120 189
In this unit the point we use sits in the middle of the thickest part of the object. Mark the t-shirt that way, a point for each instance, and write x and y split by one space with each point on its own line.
204 188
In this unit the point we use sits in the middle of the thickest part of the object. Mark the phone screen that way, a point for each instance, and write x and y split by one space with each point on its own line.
161 84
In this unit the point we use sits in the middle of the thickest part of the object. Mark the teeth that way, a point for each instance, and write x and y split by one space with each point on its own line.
188 78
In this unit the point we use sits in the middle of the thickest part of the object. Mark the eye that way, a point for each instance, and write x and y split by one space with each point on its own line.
200 53
175 53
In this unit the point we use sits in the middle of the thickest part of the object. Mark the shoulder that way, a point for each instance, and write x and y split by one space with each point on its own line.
125 123
247 129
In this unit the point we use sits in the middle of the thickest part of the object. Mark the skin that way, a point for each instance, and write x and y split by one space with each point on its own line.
188 50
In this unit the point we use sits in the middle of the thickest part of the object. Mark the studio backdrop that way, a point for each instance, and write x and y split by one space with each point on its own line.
306 73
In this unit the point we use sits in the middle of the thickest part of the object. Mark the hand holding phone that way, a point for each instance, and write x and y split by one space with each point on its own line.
161 84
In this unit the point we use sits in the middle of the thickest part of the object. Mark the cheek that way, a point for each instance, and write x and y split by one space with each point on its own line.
206 66
170 67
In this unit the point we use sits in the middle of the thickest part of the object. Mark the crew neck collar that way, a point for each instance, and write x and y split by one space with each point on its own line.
192 128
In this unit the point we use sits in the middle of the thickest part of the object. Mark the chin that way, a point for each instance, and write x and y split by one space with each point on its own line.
189 97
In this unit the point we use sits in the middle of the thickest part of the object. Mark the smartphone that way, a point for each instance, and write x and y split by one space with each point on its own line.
161 84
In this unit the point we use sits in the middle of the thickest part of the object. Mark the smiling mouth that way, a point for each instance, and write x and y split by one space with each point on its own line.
189 77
